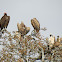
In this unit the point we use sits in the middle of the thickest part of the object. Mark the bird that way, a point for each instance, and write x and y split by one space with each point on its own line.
4 21
36 25
44 29
22 28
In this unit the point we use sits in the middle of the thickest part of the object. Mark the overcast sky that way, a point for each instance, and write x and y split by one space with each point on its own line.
47 12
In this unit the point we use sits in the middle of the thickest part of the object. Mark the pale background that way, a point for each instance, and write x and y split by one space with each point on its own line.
48 13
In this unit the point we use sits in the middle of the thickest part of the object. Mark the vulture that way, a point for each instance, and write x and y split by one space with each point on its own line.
23 29
44 29
4 21
36 25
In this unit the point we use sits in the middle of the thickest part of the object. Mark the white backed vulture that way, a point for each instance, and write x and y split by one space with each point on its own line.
35 23
23 29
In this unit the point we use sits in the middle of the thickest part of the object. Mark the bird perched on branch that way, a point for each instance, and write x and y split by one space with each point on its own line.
4 21
44 29
23 29
36 25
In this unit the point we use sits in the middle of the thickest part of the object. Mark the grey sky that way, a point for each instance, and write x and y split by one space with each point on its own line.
48 13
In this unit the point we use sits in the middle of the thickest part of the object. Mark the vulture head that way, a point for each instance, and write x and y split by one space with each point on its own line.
36 25
5 14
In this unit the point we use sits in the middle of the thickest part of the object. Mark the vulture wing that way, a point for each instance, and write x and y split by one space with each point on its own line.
18 26
22 24
35 24
7 18
2 22
27 29
22 28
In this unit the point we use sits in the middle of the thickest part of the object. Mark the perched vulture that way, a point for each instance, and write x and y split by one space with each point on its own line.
23 29
35 24
44 29
4 21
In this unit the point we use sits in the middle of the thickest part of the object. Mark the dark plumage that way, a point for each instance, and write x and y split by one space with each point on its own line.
4 21
35 24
